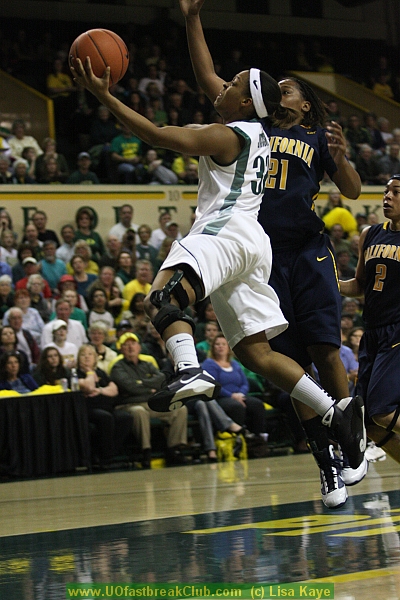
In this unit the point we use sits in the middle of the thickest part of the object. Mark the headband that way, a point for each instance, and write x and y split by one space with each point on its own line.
255 91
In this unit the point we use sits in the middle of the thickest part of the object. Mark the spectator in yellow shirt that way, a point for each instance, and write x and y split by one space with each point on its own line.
142 283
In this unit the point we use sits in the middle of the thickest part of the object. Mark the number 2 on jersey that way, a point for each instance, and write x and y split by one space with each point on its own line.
380 276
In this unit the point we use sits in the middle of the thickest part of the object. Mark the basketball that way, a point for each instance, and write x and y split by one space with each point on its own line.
105 49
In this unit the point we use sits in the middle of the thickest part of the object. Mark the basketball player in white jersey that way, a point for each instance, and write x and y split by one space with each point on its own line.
226 254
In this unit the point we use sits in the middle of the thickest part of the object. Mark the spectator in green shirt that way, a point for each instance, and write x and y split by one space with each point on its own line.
83 174
126 154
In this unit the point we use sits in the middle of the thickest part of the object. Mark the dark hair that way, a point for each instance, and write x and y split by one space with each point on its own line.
3 363
201 308
84 211
136 298
93 290
23 246
8 327
271 92
73 259
278 115
16 123
48 373
317 113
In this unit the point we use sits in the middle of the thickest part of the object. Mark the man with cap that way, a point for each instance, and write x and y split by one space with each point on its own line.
173 232
76 332
125 326
137 380
158 235
67 282
83 174
31 267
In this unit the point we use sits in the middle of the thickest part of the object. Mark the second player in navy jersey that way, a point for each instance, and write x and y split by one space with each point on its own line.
303 269
377 277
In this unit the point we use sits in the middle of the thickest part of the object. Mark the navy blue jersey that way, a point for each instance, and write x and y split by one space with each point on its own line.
382 276
299 158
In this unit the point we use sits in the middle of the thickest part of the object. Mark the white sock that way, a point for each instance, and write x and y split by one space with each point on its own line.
309 392
181 348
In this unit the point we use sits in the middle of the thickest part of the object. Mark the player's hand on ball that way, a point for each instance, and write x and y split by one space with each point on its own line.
83 75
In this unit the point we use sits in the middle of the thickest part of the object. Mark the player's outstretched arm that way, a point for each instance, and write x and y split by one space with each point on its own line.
214 140
200 56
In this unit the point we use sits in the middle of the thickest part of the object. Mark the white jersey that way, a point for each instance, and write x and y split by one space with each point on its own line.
236 188
227 247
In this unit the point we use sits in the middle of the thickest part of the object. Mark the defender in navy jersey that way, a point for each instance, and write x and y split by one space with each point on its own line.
378 276
303 268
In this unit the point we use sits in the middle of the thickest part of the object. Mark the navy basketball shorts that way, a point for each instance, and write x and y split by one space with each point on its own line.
306 283
379 369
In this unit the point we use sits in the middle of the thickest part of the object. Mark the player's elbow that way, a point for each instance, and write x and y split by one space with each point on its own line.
354 193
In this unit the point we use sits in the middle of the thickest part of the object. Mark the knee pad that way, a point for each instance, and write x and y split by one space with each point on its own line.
162 297
174 287
168 314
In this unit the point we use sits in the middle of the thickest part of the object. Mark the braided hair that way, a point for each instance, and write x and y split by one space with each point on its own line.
317 113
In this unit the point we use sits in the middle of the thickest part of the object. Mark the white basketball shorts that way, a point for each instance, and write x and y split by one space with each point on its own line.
234 266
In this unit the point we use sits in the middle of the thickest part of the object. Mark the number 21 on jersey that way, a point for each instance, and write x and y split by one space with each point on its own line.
276 174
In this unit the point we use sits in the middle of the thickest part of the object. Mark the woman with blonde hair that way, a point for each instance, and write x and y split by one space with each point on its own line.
82 249
98 333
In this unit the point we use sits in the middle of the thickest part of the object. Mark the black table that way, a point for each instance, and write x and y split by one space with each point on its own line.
43 434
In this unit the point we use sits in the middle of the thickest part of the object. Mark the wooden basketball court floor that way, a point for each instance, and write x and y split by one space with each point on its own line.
259 521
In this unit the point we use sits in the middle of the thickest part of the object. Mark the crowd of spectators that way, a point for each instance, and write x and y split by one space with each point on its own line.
71 300
92 147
